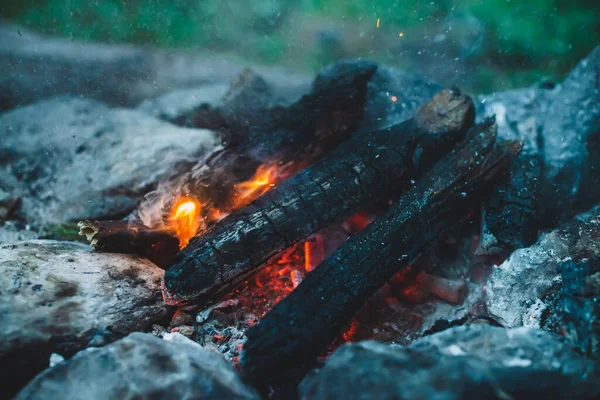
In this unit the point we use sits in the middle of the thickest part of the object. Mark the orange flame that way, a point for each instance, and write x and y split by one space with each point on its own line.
185 219
264 179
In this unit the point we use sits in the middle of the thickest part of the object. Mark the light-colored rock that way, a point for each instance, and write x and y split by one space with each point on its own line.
466 362
141 366
177 103
73 158
59 297
518 289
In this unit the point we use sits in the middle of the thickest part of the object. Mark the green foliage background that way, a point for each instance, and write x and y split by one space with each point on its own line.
523 40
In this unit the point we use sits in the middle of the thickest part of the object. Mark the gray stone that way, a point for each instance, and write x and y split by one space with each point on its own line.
177 103
37 66
70 158
519 292
571 133
61 297
141 366
520 114
466 362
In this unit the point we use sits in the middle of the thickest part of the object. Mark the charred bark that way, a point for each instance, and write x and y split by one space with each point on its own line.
290 338
510 216
370 167
159 246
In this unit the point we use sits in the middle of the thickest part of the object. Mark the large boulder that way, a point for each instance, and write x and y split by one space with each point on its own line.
71 158
467 362
141 366
60 297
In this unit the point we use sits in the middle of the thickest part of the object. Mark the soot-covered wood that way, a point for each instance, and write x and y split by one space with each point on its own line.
288 340
510 214
368 168
291 136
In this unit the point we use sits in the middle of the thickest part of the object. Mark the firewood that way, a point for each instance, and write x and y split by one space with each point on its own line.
368 168
122 237
510 213
289 339
293 137
290 137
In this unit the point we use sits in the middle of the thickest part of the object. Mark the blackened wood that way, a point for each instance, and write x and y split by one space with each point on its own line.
158 245
299 328
510 214
291 137
368 168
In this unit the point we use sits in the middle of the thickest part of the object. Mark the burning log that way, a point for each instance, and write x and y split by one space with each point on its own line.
274 146
283 140
369 168
289 339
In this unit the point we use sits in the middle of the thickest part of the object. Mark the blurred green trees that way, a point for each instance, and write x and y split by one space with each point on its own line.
504 42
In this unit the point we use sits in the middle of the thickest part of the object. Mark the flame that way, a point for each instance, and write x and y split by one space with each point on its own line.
185 219
264 179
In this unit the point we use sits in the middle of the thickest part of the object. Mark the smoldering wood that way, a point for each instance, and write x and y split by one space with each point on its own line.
291 137
370 167
158 245
289 339
295 135
510 213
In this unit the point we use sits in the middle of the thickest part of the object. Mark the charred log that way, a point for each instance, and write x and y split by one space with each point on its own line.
289 339
157 245
370 167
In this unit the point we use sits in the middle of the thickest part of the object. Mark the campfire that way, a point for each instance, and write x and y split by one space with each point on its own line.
309 228
261 253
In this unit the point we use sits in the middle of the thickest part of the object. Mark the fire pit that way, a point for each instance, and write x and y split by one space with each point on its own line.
374 207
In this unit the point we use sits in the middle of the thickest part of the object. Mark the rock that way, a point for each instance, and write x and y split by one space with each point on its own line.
571 142
519 113
38 66
466 362
177 103
72 158
579 304
522 290
141 366
234 106
60 297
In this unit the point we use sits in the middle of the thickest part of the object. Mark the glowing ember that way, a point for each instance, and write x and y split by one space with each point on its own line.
265 178
314 253
185 219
